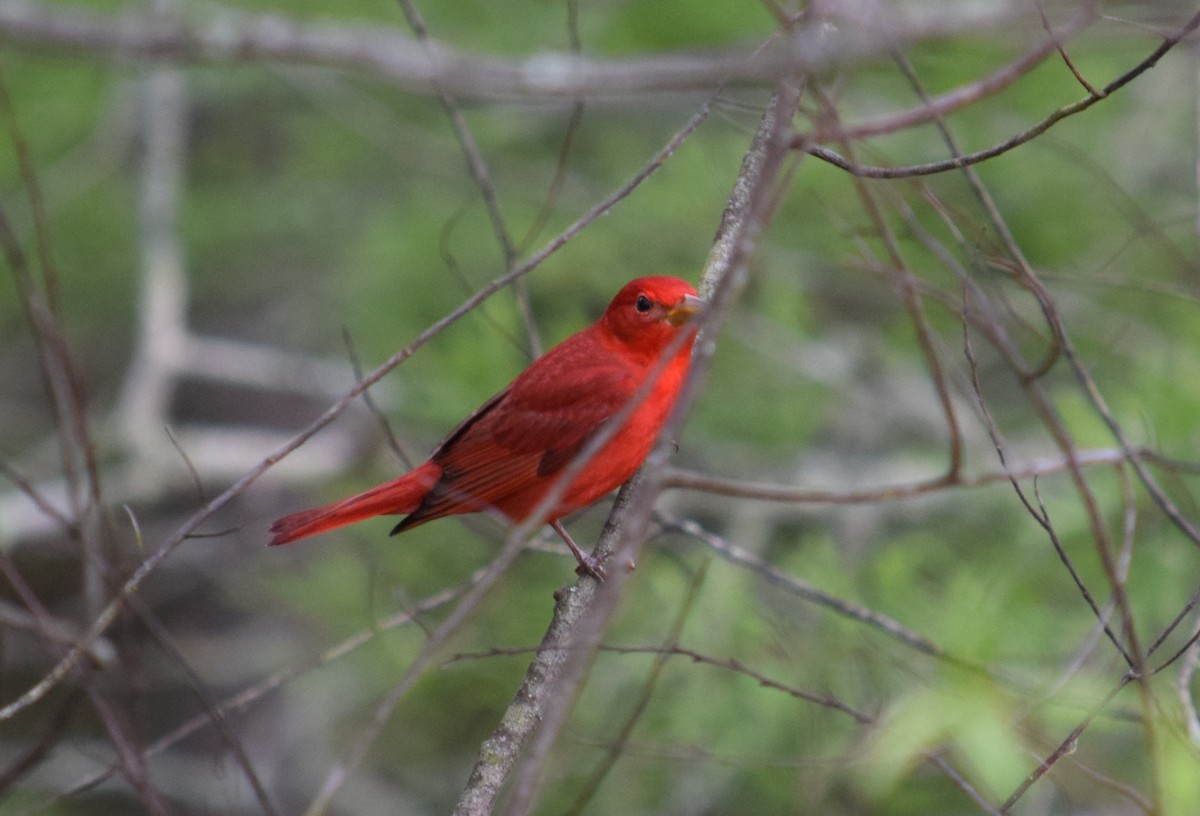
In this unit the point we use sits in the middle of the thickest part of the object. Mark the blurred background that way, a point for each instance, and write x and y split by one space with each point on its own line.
217 216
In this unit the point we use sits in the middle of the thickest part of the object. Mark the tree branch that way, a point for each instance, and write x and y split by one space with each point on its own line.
544 699
430 66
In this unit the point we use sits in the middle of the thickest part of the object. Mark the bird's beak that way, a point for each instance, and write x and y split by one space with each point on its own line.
684 310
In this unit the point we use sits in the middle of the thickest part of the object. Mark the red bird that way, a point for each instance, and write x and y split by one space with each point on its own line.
508 454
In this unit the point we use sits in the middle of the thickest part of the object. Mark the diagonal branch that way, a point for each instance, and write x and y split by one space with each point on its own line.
544 699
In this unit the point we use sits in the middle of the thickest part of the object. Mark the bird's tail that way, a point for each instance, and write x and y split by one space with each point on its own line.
403 495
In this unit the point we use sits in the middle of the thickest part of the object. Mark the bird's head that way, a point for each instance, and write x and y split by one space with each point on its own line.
648 312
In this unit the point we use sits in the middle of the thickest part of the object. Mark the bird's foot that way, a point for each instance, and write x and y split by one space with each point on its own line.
590 566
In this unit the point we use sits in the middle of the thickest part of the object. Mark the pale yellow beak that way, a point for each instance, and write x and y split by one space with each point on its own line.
685 310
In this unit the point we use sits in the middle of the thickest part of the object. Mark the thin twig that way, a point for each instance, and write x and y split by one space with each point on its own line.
906 282
684 479
247 697
620 740
738 667
228 739
373 407
130 755
1013 142
944 104
802 589
1183 688
939 761
1039 513
482 177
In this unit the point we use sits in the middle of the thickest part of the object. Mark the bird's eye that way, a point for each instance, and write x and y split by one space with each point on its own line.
642 304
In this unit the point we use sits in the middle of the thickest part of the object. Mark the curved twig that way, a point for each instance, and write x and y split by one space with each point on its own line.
1015 141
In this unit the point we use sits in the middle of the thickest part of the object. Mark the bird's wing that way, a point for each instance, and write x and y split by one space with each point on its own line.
527 433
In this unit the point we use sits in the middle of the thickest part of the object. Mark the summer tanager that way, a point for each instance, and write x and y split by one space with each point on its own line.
508 454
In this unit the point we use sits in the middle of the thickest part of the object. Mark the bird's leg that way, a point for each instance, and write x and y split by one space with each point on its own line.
587 564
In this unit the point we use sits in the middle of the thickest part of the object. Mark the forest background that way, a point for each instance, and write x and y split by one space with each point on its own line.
927 539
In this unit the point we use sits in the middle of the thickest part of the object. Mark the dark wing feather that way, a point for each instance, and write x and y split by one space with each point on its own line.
527 433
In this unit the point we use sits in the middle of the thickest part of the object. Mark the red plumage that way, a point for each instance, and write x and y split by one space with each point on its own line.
506 456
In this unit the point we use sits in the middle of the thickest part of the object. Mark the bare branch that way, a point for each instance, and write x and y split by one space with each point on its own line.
483 180
437 67
738 667
966 160
620 741
790 583
941 105
553 679
795 494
